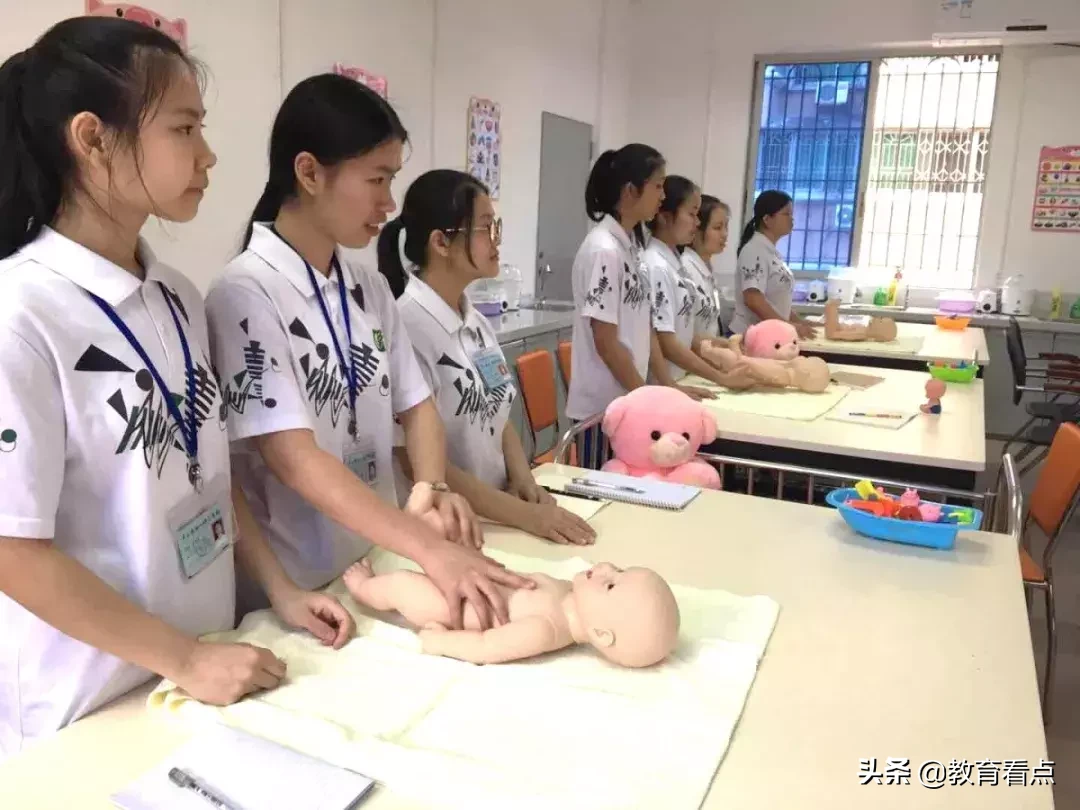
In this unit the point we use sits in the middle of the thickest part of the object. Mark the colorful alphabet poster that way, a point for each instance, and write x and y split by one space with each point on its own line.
1057 191
373 81
485 143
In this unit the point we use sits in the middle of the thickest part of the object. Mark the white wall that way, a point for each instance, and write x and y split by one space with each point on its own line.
695 61
569 57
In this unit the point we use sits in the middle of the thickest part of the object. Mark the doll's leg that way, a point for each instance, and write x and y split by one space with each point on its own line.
412 595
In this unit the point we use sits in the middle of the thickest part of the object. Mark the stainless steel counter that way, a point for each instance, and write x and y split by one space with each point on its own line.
926 315
527 323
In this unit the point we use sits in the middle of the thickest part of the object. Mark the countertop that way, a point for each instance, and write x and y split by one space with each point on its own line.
926 315
880 651
525 323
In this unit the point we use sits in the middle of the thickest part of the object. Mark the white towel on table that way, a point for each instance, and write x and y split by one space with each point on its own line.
564 730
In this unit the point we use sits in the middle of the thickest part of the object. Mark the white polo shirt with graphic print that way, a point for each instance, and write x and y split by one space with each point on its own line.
92 460
280 371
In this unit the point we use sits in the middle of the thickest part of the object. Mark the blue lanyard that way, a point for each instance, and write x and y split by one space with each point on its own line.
345 366
189 428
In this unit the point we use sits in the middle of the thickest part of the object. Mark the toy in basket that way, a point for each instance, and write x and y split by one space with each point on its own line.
962 372
907 519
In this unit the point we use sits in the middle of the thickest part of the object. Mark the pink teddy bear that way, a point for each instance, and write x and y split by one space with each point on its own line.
771 340
655 432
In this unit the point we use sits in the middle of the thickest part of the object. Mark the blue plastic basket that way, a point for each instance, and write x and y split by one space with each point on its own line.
911 532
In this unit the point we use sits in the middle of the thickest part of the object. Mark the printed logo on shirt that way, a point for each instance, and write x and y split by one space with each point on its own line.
378 338
635 292
705 308
247 385
595 296
480 408
325 384
750 273
686 309
149 427
660 302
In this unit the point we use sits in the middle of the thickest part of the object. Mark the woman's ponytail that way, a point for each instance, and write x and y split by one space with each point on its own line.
602 189
389 252
267 208
747 234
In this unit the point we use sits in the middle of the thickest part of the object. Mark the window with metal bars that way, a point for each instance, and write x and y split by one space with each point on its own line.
885 159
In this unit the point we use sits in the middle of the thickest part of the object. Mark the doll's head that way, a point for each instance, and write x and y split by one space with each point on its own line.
772 340
810 374
882 330
935 389
629 615
657 427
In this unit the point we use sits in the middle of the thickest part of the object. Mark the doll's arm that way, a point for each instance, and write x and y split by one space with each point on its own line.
518 639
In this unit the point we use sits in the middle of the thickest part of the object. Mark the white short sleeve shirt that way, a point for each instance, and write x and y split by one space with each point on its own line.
280 371
611 284
761 267
447 345
91 458
674 296
706 302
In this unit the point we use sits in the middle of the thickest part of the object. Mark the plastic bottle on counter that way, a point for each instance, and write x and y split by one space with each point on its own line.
1074 312
1055 304
894 288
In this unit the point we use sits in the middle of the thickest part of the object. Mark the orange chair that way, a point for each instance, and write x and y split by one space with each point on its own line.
564 362
536 376
1052 504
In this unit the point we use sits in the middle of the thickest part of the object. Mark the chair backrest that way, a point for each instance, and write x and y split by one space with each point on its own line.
536 375
1014 342
1059 481
564 362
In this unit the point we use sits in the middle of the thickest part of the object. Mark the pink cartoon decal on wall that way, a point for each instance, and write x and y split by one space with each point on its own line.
372 81
177 29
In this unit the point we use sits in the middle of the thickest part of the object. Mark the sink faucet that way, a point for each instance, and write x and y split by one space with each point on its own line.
542 275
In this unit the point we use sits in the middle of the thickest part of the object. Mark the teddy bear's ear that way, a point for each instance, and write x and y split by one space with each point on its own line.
708 426
614 414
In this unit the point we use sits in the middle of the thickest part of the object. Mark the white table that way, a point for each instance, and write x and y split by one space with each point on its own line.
947 450
880 651
938 344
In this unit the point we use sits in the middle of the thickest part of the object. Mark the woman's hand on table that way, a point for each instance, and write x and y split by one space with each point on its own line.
552 522
221 674
320 614
529 491
465 575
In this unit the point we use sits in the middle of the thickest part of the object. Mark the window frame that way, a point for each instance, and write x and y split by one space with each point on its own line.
875 57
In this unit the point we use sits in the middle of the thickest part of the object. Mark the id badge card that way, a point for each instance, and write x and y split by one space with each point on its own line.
202 526
361 458
492 367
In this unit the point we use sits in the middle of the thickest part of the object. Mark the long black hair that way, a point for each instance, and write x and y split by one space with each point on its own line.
709 204
438 200
634 164
333 118
117 69
767 204
677 190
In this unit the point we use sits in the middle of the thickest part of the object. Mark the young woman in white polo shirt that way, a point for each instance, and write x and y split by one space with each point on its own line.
116 529
675 293
451 237
710 239
763 281
316 364
613 338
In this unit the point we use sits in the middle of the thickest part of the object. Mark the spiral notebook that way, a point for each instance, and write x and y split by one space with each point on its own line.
638 491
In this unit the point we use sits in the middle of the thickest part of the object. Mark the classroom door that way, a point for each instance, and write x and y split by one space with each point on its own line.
565 160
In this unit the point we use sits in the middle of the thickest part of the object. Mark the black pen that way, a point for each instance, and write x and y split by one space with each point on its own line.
554 491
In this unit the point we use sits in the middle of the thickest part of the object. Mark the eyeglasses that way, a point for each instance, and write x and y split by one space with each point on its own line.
494 230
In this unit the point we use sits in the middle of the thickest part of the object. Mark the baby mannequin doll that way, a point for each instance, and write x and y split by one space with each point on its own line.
630 616
775 361
880 330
